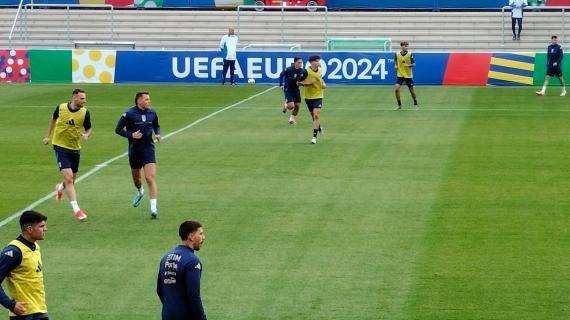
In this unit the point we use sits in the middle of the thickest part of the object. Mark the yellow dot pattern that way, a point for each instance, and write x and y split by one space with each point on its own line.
93 66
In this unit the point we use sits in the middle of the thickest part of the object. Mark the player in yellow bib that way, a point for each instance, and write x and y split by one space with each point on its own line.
70 123
314 93
21 267
404 62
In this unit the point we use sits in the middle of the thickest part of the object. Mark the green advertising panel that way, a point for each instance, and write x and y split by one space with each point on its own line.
51 66
540 69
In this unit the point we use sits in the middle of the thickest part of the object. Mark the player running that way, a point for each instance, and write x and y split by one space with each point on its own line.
66 126
138 124
314 93
288 80
553 66
404 62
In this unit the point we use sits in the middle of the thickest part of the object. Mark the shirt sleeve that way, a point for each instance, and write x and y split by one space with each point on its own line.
560 56
281 78
55 113
223 43
158 283
10 258
87 121
120 129
412 61
193 271
156 125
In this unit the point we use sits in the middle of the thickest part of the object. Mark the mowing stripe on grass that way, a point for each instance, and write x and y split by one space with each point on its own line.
102 165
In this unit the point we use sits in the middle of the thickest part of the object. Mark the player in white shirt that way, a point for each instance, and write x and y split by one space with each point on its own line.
228 47
517 16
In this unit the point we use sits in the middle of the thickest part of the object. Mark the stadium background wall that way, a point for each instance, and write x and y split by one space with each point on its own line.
332 4
353 68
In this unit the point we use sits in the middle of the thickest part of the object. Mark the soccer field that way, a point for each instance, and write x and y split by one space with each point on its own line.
457 211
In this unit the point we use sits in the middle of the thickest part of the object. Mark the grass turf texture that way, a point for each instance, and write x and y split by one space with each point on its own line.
456 211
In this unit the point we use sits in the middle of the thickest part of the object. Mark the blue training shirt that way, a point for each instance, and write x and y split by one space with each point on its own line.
178 285
135 119
554 54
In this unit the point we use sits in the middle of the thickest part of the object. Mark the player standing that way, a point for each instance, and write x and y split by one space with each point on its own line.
21 266
65 125
314 93
138 124
553 66
289 78
404 62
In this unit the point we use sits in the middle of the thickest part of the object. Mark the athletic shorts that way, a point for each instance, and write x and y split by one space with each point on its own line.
294 96
314 104
409 81
35 316
139 157
553 71
67 159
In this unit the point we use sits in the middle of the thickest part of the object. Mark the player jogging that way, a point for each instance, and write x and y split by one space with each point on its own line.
404 62
66 126
288 80
314 93
139 124
21 266
553 66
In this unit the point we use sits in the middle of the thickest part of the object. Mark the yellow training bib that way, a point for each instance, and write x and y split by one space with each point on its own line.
26 282
68 128
315 90
403 71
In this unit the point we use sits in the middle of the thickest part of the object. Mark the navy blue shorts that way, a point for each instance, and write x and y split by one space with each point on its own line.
35 316
139 157
314 104
293 96
409 81
66 158
554 71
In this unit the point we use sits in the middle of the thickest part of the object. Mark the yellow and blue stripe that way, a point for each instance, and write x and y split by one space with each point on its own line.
511 69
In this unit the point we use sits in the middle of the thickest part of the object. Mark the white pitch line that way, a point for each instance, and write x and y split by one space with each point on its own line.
102 165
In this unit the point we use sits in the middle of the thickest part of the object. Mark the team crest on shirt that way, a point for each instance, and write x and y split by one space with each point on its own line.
143 117
9 253
198 266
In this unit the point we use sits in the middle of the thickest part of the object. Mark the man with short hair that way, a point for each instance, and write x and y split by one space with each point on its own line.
404 62
517 12
21 267
289 79
553 66
66 125
180 270
139 124
314 93
228 47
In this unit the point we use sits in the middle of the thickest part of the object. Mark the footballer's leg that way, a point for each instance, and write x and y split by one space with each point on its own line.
150 176
413 93
316 124
563 84
543 91
397 93
137 180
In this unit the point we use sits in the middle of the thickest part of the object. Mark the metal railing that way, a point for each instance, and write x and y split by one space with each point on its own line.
28 8
289 46
16 17
537 8
283 9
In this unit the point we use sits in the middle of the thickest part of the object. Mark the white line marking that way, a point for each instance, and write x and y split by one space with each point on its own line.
106 163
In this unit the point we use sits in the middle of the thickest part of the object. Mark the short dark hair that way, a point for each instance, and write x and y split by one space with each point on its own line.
188 227
297 59
314 58
76 91
404 43
138 95
31 217
554 37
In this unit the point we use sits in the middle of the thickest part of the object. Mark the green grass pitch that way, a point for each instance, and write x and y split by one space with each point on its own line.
457 211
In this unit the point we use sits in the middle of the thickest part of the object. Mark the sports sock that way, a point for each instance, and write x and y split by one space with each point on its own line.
140 191
543 88
415 102
315 132
60 187
153 205
399 103
74 206
320 130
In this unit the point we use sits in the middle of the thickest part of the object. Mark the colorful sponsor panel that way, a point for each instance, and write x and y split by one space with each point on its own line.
509 69
93 66
265 67
468 69
14 66
50 66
